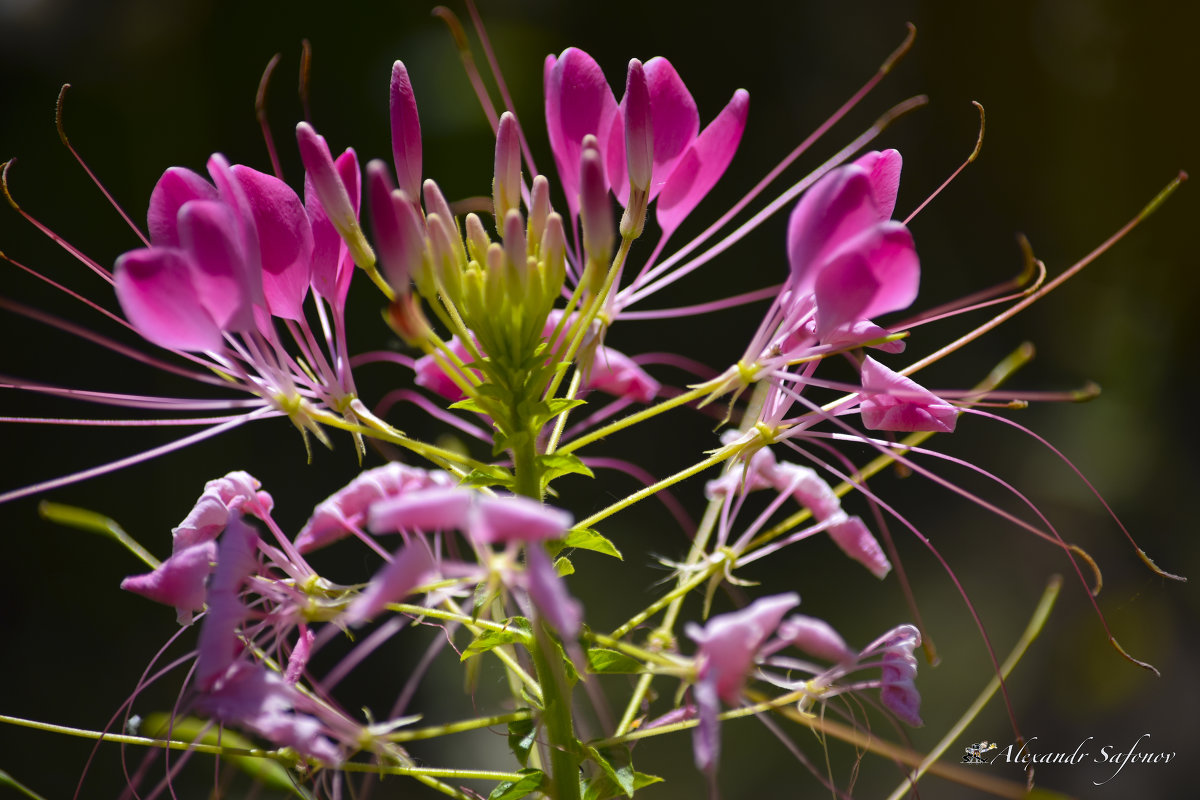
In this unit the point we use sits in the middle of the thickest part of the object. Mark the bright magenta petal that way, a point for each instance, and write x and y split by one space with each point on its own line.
579 102
155 290
180 581
176 187
410 567
837 209
285 240
873 274
883 168
216 254
703 164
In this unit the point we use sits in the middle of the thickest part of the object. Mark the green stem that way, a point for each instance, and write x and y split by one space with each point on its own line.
556 717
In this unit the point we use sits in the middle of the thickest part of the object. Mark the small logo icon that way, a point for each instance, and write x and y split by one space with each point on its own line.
973 754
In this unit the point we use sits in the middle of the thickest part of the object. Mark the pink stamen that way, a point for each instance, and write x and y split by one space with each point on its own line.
54 237
260 113
62 135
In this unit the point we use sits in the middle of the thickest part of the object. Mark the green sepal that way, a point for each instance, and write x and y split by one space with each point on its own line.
516 630
601 660
521 738
564 567
267 771
511 790
585 539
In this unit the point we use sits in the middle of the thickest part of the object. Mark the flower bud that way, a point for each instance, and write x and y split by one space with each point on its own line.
406 132
314 152
506 185
595 211
539 210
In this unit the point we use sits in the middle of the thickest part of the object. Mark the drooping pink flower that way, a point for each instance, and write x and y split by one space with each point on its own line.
892 402
730 642
180 581
346 509
258 699
236 492
411 566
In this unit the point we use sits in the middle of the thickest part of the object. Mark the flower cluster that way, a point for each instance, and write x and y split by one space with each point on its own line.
502 305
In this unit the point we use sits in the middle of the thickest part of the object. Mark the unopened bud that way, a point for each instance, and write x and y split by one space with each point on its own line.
539 209
314 152
506 185
406 132
477 239
595 211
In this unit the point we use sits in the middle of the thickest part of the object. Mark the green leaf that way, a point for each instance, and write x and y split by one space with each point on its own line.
511 790
468 405
557 464
488 475
602 787
603 661
588 539
516 629
619 776
267 771
564 567
521 739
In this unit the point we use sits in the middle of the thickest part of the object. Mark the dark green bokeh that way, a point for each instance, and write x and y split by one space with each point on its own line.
1090 112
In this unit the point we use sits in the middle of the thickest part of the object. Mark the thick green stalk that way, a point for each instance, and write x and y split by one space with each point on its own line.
556 717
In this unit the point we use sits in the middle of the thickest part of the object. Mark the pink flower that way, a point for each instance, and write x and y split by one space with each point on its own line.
180 581
846 251
346 509
730 642
216 254
892 402
685 163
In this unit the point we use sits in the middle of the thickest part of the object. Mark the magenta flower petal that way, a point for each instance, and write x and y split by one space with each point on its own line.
675 119
180 581
301 653
893 402
285 240
155 290
835 211
429 510
215 251
332 267
702 165
406 132
549 594
509 518
815 637
411 566
177 187
876 273
579 102
857 542
883 169
730 642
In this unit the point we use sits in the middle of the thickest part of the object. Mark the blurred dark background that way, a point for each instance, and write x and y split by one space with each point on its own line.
1090 112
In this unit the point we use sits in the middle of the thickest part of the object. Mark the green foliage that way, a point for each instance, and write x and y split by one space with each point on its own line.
511 790
604 661
516 630
521 738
